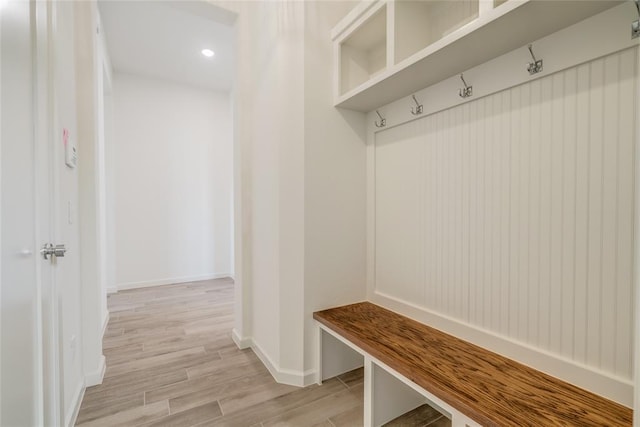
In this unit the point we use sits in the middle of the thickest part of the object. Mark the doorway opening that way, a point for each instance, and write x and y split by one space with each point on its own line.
168 137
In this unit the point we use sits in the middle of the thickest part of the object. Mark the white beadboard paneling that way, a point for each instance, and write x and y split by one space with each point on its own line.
582 215
514 213
624 248
400 167
544 284
609 212
569 210
535 214
594 211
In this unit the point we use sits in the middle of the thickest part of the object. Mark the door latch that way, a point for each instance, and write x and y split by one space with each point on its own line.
49 249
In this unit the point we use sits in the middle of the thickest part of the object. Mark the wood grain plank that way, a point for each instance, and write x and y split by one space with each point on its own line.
281 404
489 388
316 411
94 409
135 416
147 381
190 417
135 382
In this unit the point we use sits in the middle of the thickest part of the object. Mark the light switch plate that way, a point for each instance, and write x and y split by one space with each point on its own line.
70 151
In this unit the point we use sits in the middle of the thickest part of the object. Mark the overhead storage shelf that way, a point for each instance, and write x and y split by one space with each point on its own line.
388 49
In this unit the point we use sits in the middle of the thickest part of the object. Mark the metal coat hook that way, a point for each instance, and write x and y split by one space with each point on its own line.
536 66
635 25
418 109
383 121
467 90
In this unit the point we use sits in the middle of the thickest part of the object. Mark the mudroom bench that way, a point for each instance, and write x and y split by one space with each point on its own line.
408 364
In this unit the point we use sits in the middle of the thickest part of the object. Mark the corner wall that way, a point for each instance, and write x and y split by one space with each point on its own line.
335 181
300 187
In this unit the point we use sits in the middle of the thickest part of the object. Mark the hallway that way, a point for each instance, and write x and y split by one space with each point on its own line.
171 361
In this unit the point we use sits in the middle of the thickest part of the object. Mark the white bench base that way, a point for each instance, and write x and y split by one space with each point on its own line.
387 394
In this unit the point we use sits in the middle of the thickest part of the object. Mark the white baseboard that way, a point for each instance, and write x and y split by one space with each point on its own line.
283 376
169 281
74 409
617 389
242 343
96 377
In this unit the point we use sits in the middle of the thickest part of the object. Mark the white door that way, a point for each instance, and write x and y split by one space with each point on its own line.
29 363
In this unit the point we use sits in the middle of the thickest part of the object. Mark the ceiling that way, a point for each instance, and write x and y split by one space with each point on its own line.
163 39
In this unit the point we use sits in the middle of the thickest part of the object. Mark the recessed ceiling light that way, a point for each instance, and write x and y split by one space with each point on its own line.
208 53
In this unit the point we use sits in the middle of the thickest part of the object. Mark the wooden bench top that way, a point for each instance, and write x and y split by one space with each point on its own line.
489 388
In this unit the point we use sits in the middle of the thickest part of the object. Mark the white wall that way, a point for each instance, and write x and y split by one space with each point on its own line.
335 180
89 59
68 276
269 97
110 190
300 183
173 163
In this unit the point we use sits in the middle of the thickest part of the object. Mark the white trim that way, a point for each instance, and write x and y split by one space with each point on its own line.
352 18
76 401
168 281
282 376
636 260
242 343
95 378
615 388
112 289
266 360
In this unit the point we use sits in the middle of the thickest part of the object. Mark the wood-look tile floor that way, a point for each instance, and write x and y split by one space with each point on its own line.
171 362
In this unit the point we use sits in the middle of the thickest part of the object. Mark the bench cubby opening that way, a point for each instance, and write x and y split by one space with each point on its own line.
392 399
336 356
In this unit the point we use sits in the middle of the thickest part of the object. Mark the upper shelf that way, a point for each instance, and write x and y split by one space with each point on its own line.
388 60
